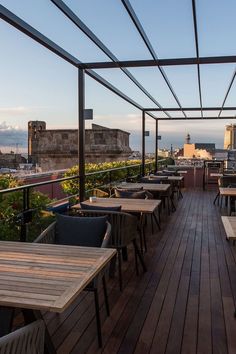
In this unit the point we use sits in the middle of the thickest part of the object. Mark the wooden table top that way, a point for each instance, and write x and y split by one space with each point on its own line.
45 276
147 206
155 187
228 191
229 223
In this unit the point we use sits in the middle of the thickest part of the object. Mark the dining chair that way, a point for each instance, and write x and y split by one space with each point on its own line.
26 340
87 232
123 232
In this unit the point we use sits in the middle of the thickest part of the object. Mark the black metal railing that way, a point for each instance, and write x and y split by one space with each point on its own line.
107 179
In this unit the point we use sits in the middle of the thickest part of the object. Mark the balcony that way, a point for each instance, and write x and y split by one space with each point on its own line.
184 303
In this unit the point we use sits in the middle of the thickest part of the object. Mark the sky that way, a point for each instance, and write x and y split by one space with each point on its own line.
35 84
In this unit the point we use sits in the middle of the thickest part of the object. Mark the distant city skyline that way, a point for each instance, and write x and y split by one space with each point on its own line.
14 138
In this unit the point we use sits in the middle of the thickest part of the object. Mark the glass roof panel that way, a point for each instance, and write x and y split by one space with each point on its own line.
231 99
46 18
123 83
184 81
215 81
152 79
112 25
169 26
216 27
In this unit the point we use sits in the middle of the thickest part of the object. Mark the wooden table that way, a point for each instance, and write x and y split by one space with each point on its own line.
174 180
45 276
146 206
229 223
228 192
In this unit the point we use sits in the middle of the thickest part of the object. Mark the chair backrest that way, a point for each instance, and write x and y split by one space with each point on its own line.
88 232
123 225
71 231
130 189
95 207
26 340
126 194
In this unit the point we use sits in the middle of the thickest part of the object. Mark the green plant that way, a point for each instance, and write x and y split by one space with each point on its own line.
11 206
103 176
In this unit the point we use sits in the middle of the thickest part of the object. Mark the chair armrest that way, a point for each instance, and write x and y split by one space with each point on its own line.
48 235
107 236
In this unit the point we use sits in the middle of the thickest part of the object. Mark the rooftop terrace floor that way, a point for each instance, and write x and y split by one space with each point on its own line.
184 303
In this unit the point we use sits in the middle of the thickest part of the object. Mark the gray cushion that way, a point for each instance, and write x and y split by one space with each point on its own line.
130 189
96 207
133 195
80 231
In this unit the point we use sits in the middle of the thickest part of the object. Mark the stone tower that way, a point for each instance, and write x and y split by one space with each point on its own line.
230 137
187 139
34 129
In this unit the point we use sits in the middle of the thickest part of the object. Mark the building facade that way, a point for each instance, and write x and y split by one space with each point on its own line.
230 137
58 149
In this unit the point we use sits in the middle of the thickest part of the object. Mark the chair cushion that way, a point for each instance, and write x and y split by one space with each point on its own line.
96 207
133 195
80 231
139 189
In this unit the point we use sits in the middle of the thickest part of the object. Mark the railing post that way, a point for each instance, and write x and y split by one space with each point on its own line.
143 144
81 136
23 229
156 146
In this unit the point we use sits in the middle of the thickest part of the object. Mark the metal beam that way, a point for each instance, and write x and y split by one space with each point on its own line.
156 146
197 51
81 135
197 118
142 33
78 23
143 143
177 109
160 62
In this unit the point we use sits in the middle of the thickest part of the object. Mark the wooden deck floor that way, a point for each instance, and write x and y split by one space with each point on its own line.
184 303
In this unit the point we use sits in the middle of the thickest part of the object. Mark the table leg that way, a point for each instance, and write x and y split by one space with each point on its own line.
228 204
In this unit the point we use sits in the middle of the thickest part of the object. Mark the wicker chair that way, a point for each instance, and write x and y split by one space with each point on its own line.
124 232
50 235
26 340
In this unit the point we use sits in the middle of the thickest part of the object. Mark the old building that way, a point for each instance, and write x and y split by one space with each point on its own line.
230 137
198 150
11 160
58 149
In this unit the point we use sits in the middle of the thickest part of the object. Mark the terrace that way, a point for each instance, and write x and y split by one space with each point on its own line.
185 301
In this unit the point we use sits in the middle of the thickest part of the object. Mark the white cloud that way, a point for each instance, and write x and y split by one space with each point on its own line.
6 127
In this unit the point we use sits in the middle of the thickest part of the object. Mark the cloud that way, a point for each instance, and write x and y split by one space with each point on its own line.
6 127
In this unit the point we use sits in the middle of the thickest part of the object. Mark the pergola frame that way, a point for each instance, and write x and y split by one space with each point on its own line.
86 68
